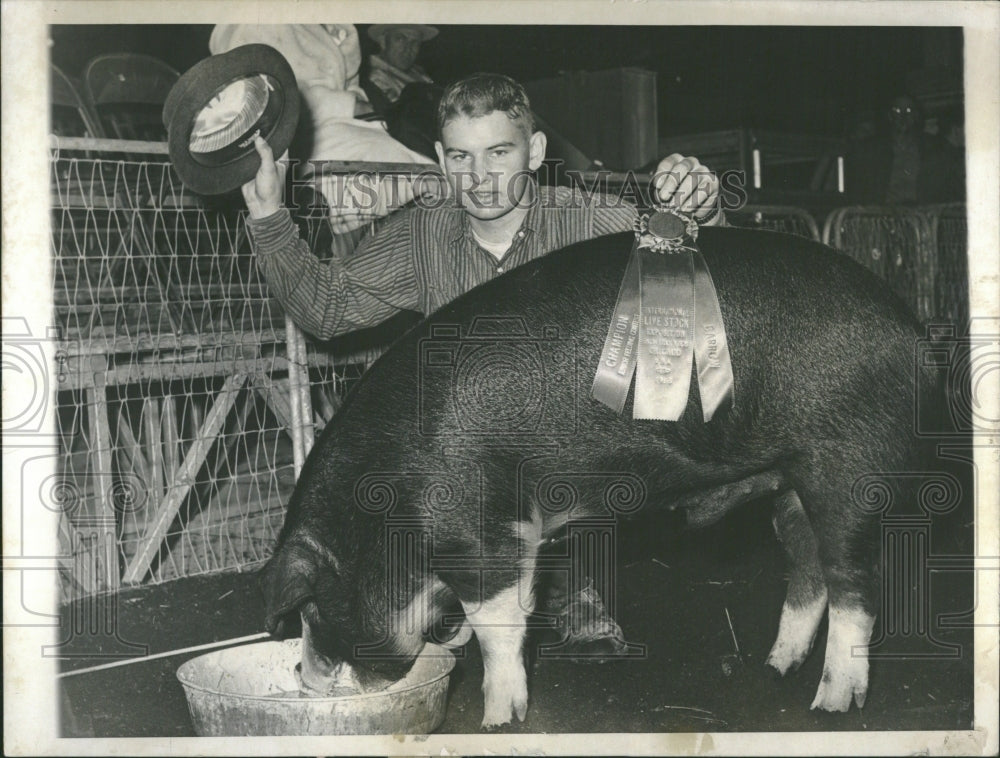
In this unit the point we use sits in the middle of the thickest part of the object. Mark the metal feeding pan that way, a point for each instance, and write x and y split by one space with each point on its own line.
252 691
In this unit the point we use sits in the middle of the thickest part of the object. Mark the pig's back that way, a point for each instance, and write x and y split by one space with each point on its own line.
811 333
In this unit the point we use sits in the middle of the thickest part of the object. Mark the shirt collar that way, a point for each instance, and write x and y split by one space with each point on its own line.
532 221
414 73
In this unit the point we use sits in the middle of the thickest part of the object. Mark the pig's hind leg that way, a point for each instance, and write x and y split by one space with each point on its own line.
805 601
847 547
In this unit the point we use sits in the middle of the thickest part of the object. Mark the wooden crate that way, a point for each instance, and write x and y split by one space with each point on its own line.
609 115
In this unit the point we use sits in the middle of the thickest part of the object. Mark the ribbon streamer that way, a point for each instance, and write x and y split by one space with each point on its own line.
618 358
715 369
667 320
666 335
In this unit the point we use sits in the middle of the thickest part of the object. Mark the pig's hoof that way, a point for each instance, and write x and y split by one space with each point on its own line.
786 658
796 633
837 690
504 700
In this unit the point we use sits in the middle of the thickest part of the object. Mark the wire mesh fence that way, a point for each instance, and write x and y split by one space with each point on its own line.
948 238
187 401
886 240
920 251
173 401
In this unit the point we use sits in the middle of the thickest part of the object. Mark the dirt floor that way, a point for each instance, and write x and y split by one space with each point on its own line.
689 597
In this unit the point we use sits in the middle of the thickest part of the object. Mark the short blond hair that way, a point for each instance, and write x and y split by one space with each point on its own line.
481 94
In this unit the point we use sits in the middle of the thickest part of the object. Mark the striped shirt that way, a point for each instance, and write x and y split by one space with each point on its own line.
419 260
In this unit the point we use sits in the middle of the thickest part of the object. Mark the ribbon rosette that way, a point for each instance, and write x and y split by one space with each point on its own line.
667 320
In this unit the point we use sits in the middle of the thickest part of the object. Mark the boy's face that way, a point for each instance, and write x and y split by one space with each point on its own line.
488 161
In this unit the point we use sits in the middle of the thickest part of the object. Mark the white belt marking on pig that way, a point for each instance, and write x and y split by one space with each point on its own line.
796 633
417 616
845 670
530 537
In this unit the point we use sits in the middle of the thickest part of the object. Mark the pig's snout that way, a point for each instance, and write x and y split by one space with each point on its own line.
338 681
319 676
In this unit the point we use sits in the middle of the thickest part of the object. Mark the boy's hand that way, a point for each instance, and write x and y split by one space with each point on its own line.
263 193
688 186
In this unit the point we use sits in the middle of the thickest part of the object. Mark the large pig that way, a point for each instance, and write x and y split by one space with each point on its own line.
436 483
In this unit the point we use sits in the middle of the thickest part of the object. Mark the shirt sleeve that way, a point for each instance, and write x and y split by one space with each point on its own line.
331 298
613 217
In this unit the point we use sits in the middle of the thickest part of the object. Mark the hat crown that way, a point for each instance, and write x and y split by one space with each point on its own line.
217 107
424 32
231 113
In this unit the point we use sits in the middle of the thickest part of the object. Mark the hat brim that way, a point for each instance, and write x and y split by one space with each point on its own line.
236 163
378 31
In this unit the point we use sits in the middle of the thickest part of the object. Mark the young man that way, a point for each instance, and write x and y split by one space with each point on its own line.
496 217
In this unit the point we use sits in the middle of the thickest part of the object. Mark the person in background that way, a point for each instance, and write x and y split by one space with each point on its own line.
952 154
904 165
953 127
326 60
496 217
907 126
395 66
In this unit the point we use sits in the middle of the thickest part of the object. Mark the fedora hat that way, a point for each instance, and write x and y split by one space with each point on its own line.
216 108
378 31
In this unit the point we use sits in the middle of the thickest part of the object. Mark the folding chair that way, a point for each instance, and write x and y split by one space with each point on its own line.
72 115
128 91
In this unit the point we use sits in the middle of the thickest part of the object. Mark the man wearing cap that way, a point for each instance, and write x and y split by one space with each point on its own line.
396 65
495 217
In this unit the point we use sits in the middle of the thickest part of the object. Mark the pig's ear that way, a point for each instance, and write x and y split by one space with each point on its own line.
287 581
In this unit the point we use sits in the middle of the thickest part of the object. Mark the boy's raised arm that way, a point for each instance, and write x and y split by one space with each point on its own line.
326 298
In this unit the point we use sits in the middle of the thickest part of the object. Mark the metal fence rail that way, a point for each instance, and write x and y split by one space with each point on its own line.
776 218
886 240
187 399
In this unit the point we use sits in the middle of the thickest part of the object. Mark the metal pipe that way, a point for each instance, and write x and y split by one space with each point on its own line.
294 397
166 654
108 145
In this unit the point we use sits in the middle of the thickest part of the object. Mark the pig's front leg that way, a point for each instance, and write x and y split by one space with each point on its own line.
499 624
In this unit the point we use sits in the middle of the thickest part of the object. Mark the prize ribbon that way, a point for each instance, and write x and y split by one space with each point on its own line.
666 321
